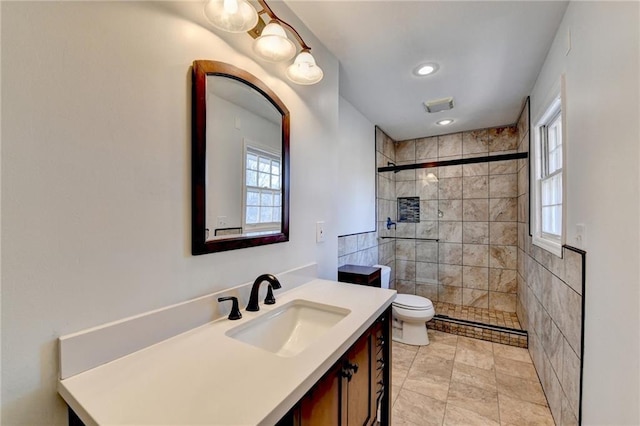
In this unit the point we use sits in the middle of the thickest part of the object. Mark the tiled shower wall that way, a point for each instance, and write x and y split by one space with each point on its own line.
549 305
471 209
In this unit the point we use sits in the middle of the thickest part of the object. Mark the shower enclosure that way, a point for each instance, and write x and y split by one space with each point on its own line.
447 223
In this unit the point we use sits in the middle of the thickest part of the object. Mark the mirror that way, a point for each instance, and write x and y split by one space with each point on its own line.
240 161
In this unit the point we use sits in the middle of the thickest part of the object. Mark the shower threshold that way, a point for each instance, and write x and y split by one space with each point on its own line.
479 323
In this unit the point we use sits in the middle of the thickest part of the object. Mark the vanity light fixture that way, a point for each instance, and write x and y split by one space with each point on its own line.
273 44
271 41
234 16
304 69
444 122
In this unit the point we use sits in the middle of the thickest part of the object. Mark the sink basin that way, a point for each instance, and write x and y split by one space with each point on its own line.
289 329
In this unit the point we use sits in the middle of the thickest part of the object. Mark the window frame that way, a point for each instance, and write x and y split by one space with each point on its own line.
554 109
261 227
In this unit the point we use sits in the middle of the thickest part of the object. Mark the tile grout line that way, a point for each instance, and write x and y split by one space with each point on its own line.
495 373
446 404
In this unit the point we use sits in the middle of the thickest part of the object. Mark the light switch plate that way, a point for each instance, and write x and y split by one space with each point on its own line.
581 236
319 232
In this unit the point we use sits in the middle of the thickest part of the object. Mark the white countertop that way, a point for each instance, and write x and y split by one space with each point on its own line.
205 377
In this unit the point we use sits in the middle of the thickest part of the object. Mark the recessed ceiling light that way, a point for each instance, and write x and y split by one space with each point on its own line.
444 122
425 69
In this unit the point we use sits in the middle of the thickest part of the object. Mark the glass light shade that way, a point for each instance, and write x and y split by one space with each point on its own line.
304 70
273 44
234 16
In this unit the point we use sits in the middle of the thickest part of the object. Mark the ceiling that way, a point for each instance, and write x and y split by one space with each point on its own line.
489 55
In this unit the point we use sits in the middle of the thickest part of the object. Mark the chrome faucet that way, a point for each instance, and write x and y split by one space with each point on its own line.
270 300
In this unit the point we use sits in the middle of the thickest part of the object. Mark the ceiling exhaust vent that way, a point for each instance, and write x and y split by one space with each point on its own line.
438 105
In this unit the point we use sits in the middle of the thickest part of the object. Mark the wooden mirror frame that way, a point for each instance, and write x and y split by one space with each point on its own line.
199 244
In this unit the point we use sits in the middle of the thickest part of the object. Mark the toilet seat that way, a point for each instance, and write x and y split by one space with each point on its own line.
412 302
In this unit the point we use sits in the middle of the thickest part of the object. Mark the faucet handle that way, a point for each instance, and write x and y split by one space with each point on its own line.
235 310
270 299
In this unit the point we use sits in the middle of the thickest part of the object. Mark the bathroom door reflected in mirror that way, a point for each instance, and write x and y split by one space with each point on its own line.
240 160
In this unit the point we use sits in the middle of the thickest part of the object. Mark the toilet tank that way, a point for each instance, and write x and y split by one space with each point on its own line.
385 275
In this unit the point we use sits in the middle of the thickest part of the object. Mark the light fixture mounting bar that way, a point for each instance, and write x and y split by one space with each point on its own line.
255 32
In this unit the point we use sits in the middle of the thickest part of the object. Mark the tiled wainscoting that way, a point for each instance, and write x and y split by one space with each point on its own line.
550 303
358 249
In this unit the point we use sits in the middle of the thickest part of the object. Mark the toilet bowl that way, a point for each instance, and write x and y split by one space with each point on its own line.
410 313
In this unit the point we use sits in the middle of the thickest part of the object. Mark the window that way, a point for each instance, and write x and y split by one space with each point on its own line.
548 194
263 193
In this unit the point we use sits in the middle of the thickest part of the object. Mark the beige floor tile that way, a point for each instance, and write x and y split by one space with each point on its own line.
399 421
437 349
395 391
462 381
518 388
398 373
432 366
520 413
475 345
440 337
511 352
473 398
402 357
436 387
417 409
410 348
480 359
458 416
524 370
480 377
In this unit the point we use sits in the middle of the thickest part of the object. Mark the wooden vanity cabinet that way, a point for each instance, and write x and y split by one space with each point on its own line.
351 392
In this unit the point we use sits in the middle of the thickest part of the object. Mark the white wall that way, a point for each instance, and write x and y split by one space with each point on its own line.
96 176
602 109
356 193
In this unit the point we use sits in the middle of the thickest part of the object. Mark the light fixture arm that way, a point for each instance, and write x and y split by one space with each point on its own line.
266 9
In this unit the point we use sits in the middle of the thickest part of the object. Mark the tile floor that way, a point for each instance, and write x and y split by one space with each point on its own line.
457 380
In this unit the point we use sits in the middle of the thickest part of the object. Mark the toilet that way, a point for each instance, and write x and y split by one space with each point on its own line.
410 313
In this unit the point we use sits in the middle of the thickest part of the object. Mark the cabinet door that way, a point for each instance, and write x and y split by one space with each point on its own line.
359 385
350 396
322 405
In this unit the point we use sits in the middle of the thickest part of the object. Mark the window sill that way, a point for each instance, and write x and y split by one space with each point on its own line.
552 246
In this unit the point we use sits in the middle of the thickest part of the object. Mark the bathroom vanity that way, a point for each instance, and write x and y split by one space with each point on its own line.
354 390
220 372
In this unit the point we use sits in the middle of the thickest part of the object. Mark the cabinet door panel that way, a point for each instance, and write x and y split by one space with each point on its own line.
321 406
359 388
347 396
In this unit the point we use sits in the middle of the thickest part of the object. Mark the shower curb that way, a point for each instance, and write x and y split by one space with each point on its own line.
478 330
